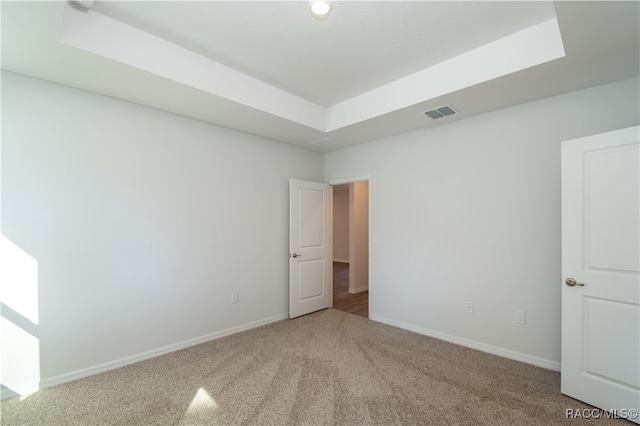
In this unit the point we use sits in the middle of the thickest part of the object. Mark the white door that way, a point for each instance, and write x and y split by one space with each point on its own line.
600 271
310 262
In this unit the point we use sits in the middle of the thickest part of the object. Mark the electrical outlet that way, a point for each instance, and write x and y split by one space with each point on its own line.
521 317
234 298
468 307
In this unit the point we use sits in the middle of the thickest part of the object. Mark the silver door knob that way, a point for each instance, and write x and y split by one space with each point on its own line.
294 255
572 282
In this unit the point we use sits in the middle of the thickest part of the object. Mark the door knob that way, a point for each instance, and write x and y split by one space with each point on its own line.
572 282
294 255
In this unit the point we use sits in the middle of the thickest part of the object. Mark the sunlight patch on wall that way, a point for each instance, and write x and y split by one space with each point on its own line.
19 280
19 348
20 366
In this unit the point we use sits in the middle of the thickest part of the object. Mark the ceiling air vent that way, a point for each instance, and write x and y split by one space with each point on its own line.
441 112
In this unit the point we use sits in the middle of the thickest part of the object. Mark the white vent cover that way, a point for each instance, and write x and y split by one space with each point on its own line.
440 112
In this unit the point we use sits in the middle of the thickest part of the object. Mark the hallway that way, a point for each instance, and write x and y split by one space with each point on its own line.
353 303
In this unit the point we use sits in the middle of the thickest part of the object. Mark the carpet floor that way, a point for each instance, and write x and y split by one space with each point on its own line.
329 367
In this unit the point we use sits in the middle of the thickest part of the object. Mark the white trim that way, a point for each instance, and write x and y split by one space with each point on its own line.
483 347
358 290
112 365
349 180
21 390
341 261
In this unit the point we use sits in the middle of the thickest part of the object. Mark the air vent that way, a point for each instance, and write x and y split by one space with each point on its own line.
325 145
441 112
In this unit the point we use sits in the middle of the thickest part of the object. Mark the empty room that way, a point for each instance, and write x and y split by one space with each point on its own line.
171 173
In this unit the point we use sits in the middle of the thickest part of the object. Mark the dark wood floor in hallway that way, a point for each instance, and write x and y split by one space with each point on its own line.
353 303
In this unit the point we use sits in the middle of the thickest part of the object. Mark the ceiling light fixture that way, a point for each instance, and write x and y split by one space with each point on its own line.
87 4
320 9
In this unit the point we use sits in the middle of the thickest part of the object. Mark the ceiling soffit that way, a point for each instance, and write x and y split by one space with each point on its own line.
105 36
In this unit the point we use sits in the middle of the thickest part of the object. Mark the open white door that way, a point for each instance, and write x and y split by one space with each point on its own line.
310 263
600 271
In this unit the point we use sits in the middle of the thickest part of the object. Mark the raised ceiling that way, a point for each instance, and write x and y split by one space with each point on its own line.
362 46
369 71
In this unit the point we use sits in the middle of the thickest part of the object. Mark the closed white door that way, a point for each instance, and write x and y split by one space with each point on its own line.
310 262
600 271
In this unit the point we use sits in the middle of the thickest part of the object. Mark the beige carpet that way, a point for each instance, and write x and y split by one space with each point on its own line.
329 367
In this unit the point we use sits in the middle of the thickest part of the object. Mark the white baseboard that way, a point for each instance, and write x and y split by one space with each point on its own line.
341 261
505 353
112 365
358 290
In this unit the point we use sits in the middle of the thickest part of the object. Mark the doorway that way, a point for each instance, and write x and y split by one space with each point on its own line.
351 247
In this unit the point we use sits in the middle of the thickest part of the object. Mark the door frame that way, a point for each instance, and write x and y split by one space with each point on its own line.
369 179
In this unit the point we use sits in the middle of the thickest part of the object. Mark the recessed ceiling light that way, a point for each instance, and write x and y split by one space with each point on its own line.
320 9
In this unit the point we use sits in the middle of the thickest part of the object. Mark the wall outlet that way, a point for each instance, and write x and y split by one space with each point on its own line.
234 298
521 317
468 307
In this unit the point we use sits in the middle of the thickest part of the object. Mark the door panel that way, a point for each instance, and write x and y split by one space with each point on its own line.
602 318
310 266
311 283
601 252
611 209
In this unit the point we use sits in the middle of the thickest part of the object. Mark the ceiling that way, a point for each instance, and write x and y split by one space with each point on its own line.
368 71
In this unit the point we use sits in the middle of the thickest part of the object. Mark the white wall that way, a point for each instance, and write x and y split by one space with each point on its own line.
470 211
340 226
142 224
